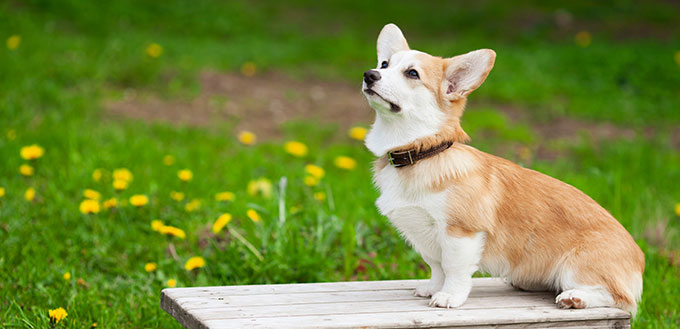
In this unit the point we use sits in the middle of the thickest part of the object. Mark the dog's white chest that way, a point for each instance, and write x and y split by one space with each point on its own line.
420 215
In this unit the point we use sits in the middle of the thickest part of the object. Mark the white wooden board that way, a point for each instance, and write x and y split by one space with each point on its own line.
374 304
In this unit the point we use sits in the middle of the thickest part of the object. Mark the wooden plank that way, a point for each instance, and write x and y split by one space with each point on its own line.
319 287
374 304
437 319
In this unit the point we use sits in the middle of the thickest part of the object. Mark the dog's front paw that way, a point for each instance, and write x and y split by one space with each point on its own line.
444 299
426 289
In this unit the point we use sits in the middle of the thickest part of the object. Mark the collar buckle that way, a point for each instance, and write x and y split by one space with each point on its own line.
397 165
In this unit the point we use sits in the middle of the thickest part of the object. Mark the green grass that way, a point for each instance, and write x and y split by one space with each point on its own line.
75 54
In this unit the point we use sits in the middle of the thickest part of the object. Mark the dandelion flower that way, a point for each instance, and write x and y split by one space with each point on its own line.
32 152
168 160
67 276
247 137
110 203
91 194
57 315
172 283
345 162
2 192
154 50
97 175
185 175
13 42
89 206
225 196
260 186
315 171
173 231
156 225
253 215
249 69
677 209
320 196
122 174
311 181
583 39
358 133
221 221
120 184
177 196
192 205
139 200
29 195
295 148
150 267
26 170
194 262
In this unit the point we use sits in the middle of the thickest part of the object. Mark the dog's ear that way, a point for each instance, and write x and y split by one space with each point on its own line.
465 73
390 41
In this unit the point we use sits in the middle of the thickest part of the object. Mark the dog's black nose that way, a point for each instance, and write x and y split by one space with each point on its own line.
371 76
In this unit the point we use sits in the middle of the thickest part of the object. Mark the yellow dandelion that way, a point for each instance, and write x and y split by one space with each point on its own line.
295 148
168 160
154 50
11 134
91 194
358 133
172 283
94 325
13 42
173 231
247 137
67 276
120 184
29 195
225 196
194 262
677 209
320 196
315 171
89 206
345 162
97 175
249 69
185 175
26 170
676 57
32 152
260 186
57 315
139 200
2 192
150 267
122 174
221 221
110 203
177 196
156 225
583 39
253 215
311 181
192 205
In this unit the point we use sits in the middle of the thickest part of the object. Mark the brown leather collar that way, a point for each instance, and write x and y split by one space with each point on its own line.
405 158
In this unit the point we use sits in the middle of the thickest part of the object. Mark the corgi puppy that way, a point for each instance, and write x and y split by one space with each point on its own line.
465 210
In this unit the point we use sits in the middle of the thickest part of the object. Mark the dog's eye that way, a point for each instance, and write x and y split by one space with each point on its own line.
413 74
384 65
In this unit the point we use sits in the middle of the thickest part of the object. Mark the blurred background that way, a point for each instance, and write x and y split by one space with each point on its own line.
149 144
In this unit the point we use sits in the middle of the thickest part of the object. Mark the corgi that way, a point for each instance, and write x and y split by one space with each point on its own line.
464 210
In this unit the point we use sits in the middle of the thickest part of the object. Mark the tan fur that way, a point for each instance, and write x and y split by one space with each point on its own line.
535 222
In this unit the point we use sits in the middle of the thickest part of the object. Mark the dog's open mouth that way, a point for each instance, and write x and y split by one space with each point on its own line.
393 107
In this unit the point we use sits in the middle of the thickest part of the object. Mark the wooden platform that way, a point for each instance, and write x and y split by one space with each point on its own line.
374 304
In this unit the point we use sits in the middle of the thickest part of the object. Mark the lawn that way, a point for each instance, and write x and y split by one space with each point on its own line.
586 93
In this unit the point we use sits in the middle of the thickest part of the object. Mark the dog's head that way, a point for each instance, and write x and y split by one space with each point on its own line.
417 95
